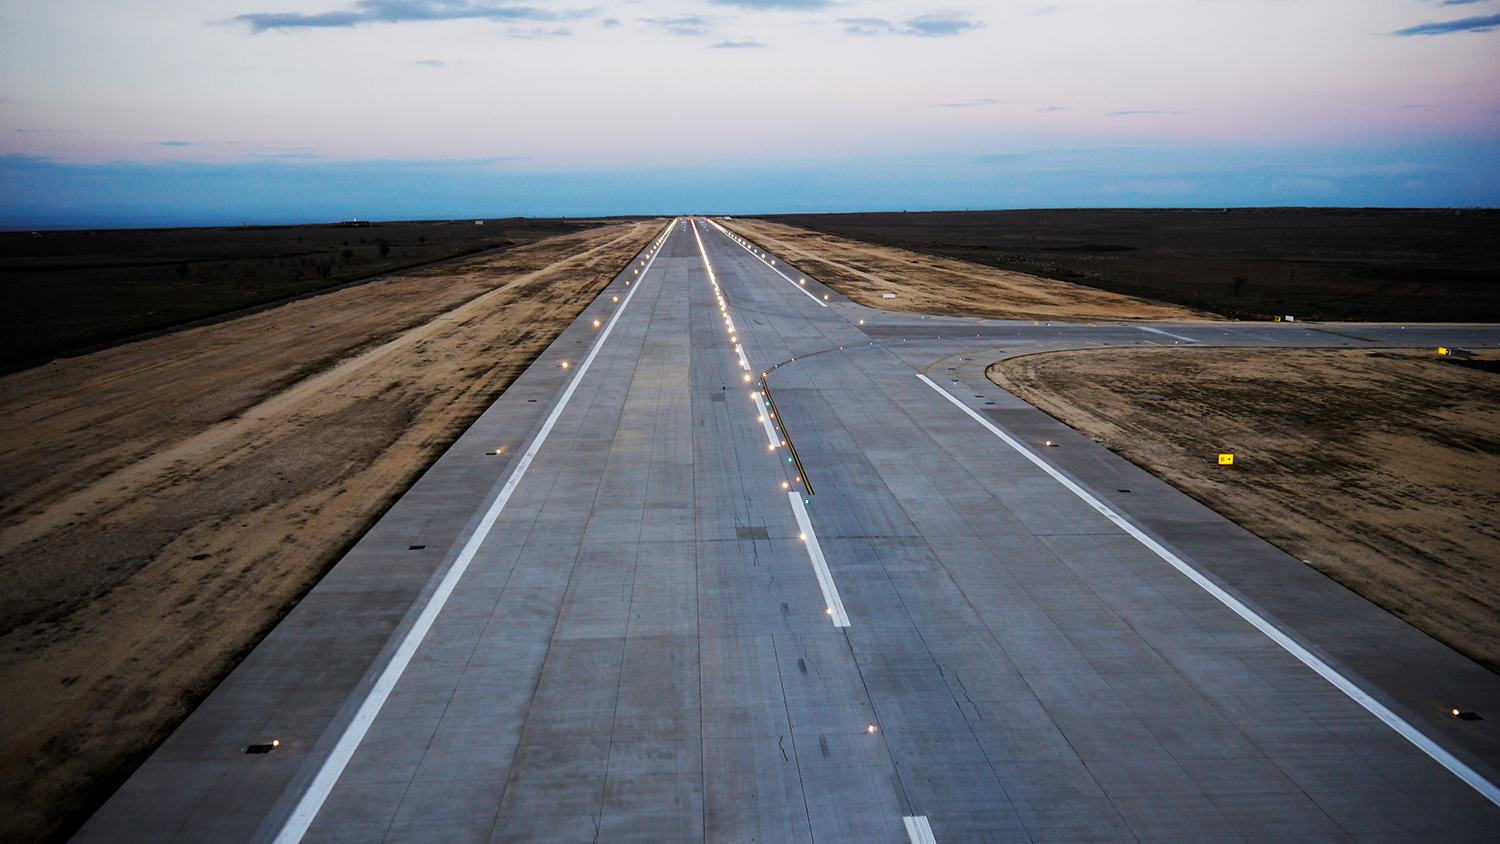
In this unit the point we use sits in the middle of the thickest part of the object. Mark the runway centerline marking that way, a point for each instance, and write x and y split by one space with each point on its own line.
831 600
333 767
819 564
1471 777
918 830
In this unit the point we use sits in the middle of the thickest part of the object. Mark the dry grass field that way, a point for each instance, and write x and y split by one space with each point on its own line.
932 284
163 503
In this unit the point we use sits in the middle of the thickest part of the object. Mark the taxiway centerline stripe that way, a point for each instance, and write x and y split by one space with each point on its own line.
918 830
1166 333
788 278
819 564
1471 777
333 767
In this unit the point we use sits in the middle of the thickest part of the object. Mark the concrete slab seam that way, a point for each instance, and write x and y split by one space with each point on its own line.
328 775
1419 739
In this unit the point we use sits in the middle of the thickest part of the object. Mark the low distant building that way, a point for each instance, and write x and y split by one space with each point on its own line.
358 223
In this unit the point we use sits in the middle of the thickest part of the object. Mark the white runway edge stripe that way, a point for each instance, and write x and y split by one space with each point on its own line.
918 830
788 278
820 565
333 767
1342 683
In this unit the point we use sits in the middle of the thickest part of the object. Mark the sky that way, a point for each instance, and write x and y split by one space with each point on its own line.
265 111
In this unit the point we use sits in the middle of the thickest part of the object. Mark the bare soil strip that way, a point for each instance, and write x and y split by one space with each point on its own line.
164 503
1379 469
930 284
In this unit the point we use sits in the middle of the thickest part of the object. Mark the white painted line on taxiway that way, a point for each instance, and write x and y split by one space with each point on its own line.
1306 657
744 361
1166 333
769 264
333 767
918 830
820 566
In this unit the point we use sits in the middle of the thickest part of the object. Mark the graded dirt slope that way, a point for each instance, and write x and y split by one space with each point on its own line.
164 503
1380 469
930 284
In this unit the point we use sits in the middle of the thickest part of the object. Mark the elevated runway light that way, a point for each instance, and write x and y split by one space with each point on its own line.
870 729
596 323
564 364
785 485
803 282
825 297
615 298
747 377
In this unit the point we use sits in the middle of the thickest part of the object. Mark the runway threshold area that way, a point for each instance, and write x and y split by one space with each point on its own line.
642 601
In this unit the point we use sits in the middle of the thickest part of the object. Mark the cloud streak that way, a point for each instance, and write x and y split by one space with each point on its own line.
737 45
399 11
775 4
1482 23
689 26
935 25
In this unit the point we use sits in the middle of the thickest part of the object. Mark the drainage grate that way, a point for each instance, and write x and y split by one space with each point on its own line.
751 532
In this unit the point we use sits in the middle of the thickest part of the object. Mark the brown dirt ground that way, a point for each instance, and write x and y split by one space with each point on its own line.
1379 468
164 503
931 284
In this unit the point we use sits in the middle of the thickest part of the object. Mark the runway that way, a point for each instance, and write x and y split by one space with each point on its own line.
645 599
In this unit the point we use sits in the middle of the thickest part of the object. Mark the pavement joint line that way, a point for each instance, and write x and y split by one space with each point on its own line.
788 278
918 830
1418 738
312 800
820 565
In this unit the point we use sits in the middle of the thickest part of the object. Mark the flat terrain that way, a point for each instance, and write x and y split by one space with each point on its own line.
1380 469
930 284
637 623
67 290
1253 263
163 503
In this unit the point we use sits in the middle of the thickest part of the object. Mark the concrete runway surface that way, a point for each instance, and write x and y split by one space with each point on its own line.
616 611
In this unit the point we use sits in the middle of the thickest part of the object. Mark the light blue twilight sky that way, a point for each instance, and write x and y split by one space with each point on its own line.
182 111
